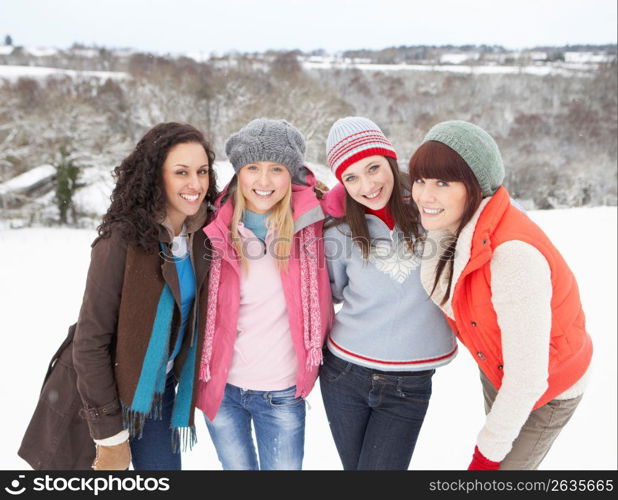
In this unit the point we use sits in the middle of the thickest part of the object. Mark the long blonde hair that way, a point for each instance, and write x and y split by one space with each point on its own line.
279 219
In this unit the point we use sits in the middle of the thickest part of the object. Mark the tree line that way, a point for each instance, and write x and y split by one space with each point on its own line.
557 133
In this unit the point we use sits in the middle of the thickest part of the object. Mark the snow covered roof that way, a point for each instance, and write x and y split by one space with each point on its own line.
28 179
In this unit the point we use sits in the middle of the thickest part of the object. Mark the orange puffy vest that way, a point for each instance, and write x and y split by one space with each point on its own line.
476 323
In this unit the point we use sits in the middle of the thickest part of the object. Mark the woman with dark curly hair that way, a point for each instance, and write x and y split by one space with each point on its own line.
143 309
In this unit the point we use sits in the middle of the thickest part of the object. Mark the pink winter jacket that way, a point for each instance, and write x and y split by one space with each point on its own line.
306 211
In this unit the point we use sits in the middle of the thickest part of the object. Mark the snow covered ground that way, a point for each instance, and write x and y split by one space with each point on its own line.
13 73
563 69
42 275
574 67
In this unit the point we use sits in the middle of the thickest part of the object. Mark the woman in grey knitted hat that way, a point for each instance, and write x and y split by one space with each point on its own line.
505 290
269 302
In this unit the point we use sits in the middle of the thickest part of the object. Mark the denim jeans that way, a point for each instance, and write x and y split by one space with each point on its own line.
375 417
279 422
153 451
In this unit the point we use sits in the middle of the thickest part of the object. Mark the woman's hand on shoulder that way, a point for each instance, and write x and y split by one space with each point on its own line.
320 189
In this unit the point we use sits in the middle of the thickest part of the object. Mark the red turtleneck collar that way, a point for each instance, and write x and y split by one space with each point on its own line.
384 214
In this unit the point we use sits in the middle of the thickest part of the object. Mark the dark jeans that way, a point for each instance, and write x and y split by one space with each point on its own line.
375 417
153 451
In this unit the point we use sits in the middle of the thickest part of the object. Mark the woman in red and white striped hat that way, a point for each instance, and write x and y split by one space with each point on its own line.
388 337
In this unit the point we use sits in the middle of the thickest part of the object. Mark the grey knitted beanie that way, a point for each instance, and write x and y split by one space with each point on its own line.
267 140
476 147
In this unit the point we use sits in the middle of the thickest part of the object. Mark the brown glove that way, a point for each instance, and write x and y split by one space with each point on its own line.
116 457
319 189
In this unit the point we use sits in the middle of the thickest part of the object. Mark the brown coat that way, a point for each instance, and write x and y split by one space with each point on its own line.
100 365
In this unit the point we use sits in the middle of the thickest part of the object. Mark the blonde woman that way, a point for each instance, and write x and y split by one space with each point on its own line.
269 302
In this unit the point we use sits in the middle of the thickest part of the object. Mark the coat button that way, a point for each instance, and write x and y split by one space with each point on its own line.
500 367
473 323
484 242
481 356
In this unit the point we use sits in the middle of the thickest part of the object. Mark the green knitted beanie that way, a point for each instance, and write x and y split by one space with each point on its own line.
476 147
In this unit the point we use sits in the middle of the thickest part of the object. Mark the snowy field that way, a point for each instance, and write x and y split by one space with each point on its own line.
570 69
575 67
13 73
42 276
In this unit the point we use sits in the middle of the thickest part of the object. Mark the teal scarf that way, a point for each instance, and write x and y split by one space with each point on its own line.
147 400
256 223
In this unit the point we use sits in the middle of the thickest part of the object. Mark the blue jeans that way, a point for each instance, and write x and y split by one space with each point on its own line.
375 417
279 422
153 451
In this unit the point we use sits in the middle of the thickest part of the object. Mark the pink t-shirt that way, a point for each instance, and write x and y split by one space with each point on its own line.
264 358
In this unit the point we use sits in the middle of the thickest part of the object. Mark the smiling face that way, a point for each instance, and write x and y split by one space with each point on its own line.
263 184
369 181
185 182
441 204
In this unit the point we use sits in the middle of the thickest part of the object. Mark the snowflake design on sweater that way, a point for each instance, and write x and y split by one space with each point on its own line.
397 261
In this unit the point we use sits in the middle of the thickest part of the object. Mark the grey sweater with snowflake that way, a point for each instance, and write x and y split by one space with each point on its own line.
386 322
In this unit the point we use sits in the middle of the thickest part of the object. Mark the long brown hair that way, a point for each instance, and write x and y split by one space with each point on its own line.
407 220
138 199
435 160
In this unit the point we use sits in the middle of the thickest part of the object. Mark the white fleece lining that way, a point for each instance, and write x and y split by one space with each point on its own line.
463 249
431 256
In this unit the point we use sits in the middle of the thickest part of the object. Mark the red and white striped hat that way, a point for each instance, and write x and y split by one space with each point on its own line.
353 138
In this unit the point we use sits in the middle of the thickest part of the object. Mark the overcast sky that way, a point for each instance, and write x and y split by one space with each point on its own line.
256 25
